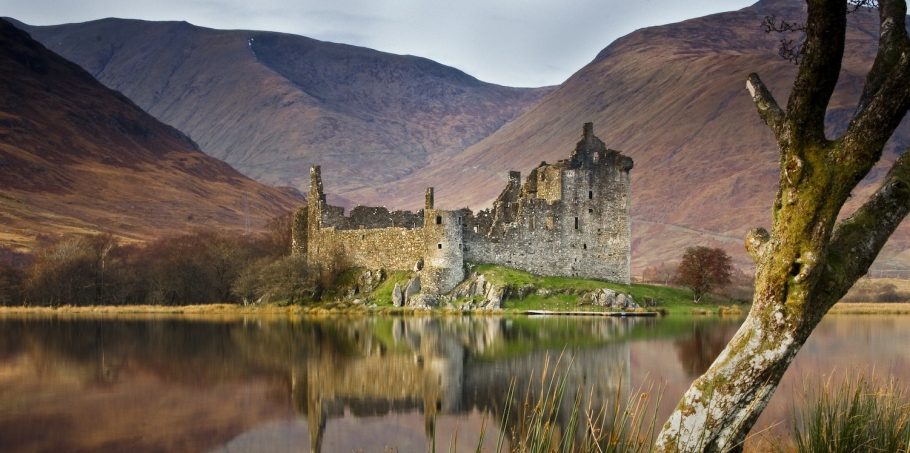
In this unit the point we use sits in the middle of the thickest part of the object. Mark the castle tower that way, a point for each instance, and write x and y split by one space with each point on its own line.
570 218
589 150
316 197
315 206
444 250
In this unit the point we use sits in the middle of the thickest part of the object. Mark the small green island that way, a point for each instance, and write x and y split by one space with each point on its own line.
521 292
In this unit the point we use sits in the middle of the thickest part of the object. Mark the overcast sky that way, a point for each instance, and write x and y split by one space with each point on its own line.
510 42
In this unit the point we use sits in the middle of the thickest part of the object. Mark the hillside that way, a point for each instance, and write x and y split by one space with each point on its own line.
78 157
272 104
673 98
386 126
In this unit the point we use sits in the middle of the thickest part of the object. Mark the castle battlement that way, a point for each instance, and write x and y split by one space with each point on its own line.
570 218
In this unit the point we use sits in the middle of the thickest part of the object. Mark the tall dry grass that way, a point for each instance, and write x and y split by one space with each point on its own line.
858 414
541 423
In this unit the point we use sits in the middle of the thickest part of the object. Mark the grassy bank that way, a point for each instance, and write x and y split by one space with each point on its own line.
668 299
206 311
870 308
228 311
546 293
513 307
212 311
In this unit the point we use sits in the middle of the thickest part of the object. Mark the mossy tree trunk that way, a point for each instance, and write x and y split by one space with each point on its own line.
808 261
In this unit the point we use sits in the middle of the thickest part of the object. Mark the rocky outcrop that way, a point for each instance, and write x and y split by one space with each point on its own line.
365 283
397 296
608 298
478 292
482 293
411 290
424 301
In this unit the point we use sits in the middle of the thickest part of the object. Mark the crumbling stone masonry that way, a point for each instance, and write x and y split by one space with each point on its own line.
570 218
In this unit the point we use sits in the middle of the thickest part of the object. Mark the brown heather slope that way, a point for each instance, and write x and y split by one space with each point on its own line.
272 104
78 157
673 98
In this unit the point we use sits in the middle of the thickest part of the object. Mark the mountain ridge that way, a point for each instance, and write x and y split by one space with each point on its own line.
273 104
77 157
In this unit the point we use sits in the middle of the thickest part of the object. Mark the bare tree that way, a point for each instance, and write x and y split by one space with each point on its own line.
661 273
808 260
279 233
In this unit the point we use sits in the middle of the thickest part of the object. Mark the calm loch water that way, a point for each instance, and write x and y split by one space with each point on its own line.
363 384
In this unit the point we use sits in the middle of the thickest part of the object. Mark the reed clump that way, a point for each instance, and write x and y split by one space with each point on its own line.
858 414
540 421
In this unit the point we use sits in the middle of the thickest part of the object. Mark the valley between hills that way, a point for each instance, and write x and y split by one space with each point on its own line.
384 126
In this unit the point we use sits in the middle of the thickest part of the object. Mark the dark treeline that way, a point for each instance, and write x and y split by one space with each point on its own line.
197 268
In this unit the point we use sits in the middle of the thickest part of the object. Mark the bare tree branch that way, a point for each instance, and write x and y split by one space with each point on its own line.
856 5
857 240
818 69
789 49
773 24
792 49
873 126
878 115
892 42
768 109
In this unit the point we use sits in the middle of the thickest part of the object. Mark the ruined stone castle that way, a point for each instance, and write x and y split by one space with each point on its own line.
570 218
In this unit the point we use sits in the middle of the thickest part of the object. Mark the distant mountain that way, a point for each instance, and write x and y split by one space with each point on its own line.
673 98
272 104
385 126
76 156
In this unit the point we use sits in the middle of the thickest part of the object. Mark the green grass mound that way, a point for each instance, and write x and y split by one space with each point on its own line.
564 293
532 292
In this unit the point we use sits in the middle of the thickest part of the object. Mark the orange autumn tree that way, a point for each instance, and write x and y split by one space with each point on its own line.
703 269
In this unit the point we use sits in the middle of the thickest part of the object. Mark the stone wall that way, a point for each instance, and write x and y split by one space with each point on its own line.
392 248
375 238
545 182
372 217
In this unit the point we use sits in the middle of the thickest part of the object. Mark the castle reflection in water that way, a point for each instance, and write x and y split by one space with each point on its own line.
457 365
268 385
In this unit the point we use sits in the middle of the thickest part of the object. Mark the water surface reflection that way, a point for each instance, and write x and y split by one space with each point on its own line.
361 383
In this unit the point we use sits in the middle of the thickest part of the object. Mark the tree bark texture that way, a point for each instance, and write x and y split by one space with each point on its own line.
808 261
